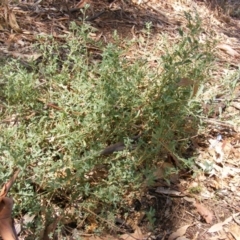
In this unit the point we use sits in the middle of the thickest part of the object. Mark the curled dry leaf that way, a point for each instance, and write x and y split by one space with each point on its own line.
13 22
204 212
179 233
228 49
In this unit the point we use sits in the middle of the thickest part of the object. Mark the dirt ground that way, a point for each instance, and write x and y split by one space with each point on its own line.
204 204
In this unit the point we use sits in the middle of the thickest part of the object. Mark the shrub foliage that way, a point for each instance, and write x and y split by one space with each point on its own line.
82 96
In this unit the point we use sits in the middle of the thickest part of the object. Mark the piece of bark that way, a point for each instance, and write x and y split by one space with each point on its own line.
204 212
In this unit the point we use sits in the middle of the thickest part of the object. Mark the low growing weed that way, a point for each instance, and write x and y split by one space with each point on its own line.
56 120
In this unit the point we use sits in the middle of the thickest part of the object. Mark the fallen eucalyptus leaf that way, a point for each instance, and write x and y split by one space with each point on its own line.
182 238
170 192
179 233
228 49
13 22
218 226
